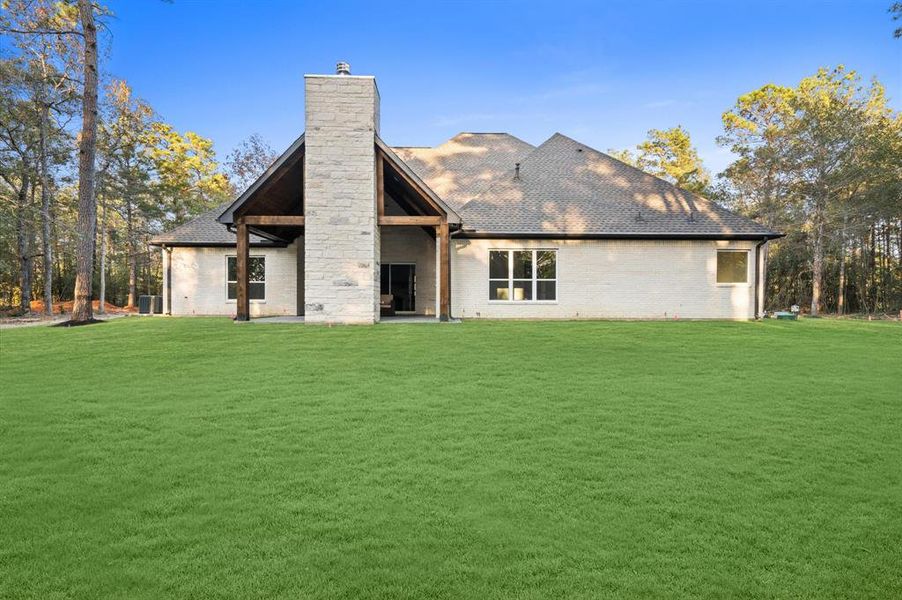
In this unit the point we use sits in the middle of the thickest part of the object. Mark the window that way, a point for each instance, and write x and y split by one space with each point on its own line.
732 266
523 275
256 275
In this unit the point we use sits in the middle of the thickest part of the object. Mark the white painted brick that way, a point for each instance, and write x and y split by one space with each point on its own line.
199 282
610 279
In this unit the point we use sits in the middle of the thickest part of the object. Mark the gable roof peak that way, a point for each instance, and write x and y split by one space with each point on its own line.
464 133
462 166
227 216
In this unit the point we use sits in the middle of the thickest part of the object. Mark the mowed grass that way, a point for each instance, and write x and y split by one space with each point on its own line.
197 458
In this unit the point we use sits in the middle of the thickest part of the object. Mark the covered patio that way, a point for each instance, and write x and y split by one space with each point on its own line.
395 320
413 225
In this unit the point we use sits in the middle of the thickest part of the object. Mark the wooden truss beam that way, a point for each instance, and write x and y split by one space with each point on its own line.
413 184
380 185
411 220
284 220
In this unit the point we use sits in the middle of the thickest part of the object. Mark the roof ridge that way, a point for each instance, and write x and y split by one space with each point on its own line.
505 133
500 180
698 198
210 213
199 216
626 164
460 203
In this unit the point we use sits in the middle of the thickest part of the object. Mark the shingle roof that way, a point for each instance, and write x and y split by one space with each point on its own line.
465 165
204 230
564 188
567 188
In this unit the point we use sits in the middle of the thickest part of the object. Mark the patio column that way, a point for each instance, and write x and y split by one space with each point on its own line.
443 239
243 309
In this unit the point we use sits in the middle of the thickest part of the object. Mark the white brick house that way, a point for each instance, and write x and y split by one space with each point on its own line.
343 228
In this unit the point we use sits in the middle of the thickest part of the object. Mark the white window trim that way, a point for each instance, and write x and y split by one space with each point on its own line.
511 279
748 268
227 282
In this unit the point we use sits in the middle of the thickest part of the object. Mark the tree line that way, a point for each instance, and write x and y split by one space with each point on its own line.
820 162
89 171
146 176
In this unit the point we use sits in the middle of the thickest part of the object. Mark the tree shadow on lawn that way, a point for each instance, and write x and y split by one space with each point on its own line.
71 323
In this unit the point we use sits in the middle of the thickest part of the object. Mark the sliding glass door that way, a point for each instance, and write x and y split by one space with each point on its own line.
400 280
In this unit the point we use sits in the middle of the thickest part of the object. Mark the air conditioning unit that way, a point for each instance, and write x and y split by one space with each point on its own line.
150 305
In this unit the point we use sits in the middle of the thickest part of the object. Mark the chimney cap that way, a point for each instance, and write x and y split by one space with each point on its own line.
342 68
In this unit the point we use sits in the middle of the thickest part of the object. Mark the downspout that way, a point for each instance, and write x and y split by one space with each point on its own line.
451 234
758 276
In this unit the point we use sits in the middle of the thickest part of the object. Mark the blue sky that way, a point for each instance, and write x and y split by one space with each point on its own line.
602 72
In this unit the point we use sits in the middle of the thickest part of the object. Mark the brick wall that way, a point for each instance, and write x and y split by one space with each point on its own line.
199 282
616 279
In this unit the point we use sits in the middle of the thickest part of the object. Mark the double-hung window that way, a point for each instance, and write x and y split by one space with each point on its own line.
732 267
523 275
256 275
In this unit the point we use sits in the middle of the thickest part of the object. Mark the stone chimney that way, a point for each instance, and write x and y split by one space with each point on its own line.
341 235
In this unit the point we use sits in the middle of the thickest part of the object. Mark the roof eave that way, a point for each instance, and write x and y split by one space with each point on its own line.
162 244
474 234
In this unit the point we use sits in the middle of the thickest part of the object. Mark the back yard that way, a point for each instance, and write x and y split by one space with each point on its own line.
198 458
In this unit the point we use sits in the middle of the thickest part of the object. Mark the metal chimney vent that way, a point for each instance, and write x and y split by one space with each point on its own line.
342 68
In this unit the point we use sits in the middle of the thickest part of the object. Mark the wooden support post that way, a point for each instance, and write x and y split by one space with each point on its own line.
443 239
243 308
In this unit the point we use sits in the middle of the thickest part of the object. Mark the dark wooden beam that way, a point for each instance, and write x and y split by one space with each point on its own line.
268 236
444 286
398 192
380 185
416 187
276 176
243 308
288 220
411 220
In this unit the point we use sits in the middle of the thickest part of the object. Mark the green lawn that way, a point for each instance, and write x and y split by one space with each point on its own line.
195 458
